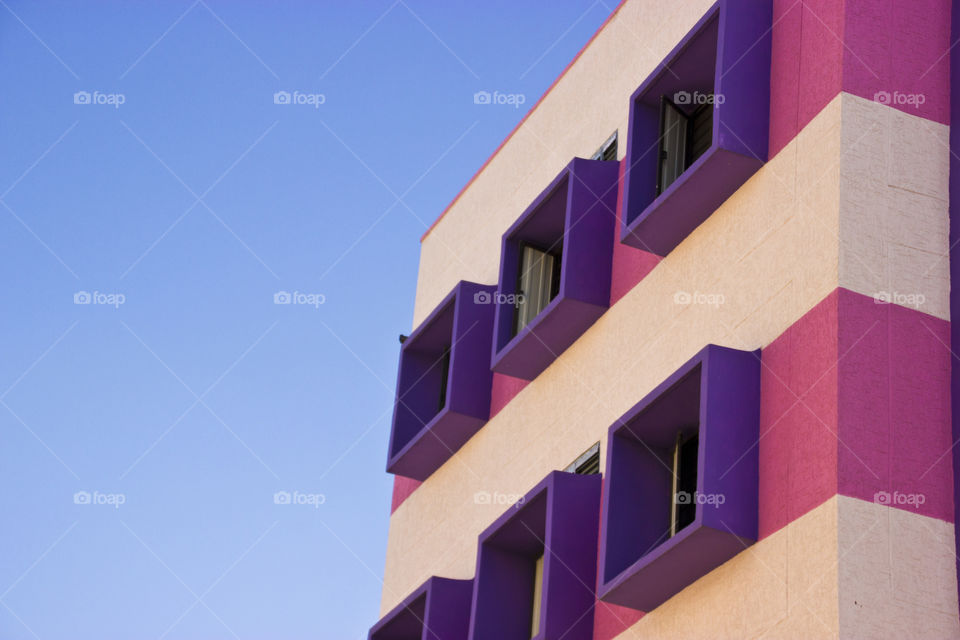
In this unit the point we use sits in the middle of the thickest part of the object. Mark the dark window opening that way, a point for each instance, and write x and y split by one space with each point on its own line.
444 376
684 503
537 283
608 150
588 463
684 137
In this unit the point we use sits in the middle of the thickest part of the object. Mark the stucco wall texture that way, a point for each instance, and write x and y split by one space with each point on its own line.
851 206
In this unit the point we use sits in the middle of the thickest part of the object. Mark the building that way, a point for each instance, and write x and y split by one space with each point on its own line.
681 363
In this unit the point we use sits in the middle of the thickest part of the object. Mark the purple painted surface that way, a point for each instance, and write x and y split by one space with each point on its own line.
641 566
423 436
577 211
437 610
955 263
558 519
735 36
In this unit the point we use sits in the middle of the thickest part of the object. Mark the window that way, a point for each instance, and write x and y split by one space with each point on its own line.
538 283
608 150
537 564
587 463
680 495
698 126
683 506
555 268
444 382
684 137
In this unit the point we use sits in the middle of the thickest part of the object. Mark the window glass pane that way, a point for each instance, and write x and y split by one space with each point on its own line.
537 596
673 144
538 284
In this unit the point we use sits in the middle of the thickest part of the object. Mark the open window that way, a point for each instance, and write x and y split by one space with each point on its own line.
538 282
587 463
683 508
536 564
685 134
699 125
444 382
608 150
555 268
681 479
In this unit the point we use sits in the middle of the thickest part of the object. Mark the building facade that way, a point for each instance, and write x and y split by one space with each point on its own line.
681 355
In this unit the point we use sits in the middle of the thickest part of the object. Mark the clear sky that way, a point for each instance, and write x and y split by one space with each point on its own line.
154 199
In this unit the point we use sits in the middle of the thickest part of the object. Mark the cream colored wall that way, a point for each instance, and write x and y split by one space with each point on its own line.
893 197
897 574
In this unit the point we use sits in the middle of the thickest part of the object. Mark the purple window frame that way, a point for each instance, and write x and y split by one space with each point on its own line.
577 210
439 609
735 34
559 518
640 565
423 437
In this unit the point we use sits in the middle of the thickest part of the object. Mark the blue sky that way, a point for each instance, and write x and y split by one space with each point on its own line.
146 432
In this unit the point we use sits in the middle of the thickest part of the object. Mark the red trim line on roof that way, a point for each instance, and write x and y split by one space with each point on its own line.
520 124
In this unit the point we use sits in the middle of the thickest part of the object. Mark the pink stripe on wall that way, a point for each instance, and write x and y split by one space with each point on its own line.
503 390
869 48
798 413
895 406
855 400
402 489
610 620
630 265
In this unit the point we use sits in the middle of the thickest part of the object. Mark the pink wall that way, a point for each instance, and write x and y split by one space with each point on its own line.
855 400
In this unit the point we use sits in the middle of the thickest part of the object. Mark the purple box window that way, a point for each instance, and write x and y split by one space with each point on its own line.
575 214
558 520
724 61
438 610
443 387
718 393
